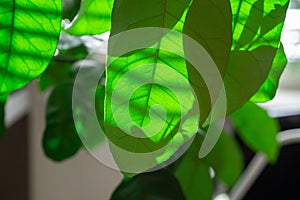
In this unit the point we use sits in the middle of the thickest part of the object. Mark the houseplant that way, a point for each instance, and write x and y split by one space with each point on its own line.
241 37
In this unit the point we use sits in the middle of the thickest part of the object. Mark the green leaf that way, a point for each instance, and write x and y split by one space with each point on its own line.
246 72
158 185
29 35
257 23
99 101
208 23
257 27
257 129
193 174
226 159
94 17
2 115
60 139
166 85
130 14
268 89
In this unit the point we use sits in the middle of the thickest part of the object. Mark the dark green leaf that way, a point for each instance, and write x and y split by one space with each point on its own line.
257 129
70 8
158 185
226 160
246 72
268 89
60 139
208 23
99 101
257 27
29 33
193 174
94 17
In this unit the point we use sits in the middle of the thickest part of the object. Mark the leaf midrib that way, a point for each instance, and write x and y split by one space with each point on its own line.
163 16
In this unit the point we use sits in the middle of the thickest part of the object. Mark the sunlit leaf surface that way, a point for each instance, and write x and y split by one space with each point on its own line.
268 89
29 33
166 74
94 17
257 26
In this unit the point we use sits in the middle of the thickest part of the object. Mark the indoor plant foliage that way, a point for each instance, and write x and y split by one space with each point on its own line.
241 36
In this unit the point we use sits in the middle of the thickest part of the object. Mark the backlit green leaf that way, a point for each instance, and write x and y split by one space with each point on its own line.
268 89
60 139
29 33
166 74
257 129
94 17
130 14
257 23
257 26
